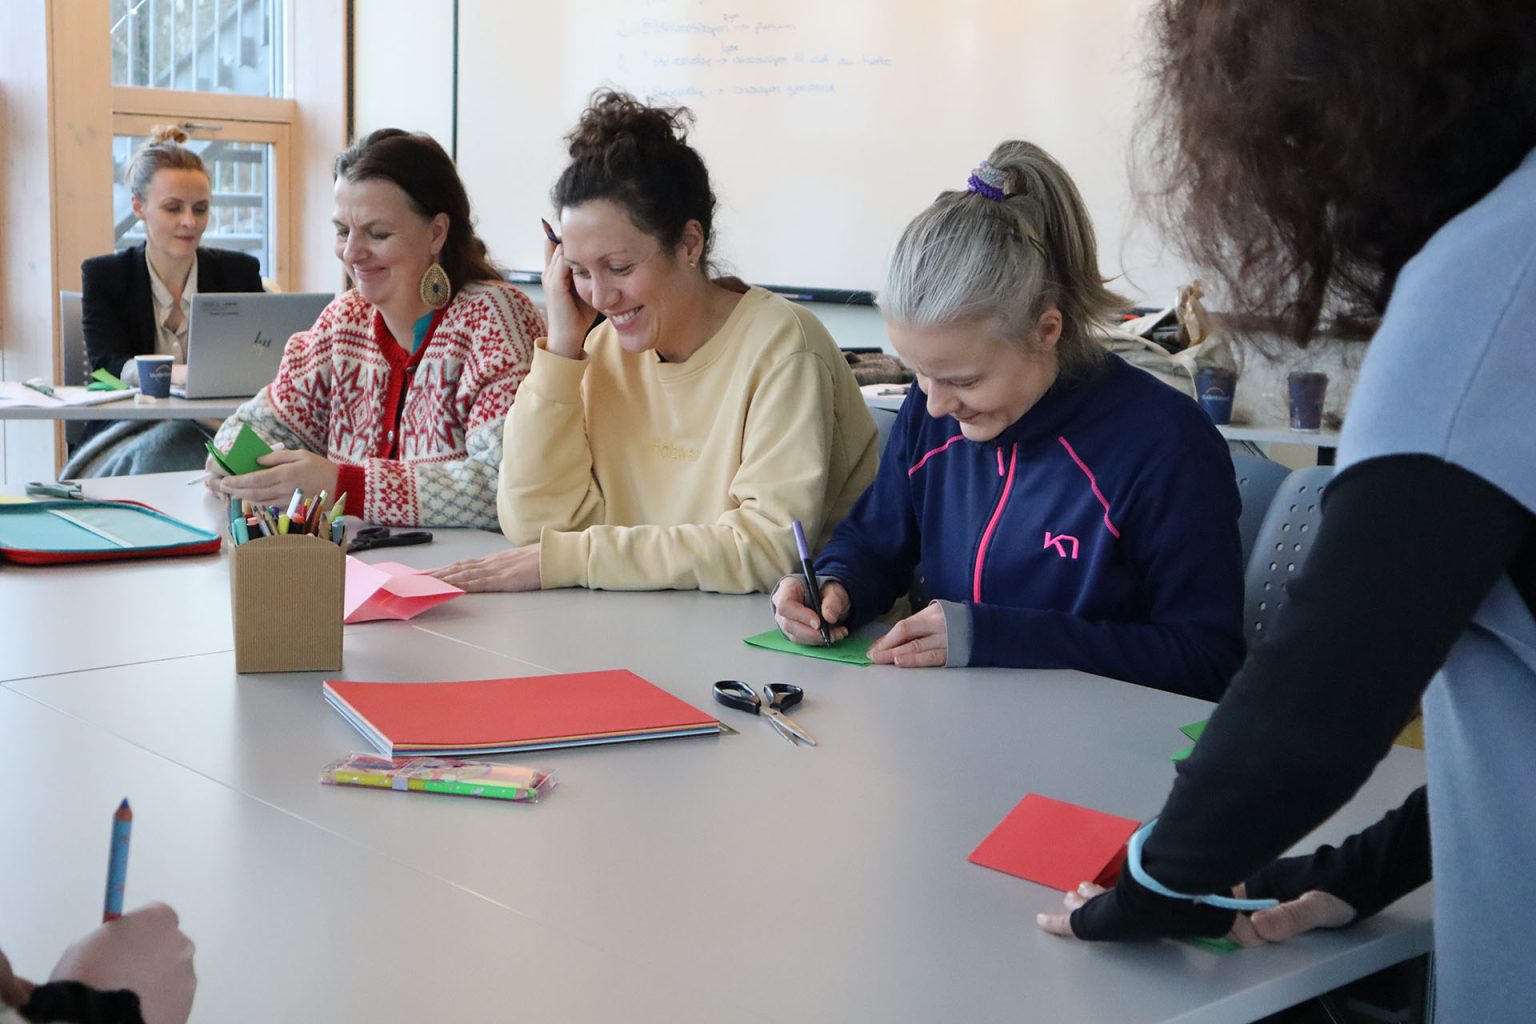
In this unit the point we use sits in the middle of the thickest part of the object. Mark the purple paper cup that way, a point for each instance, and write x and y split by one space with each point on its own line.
1215 387
155 375
1306 392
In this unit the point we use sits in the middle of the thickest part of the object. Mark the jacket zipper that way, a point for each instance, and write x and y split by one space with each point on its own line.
997 513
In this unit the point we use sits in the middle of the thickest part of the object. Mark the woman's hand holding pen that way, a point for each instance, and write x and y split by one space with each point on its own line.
568 315
283 472
798 622
514 570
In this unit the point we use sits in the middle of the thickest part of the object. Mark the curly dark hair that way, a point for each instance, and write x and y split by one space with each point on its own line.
425 173
1311 147
638 157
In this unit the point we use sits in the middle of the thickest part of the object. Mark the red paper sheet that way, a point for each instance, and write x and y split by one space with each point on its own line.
1056 844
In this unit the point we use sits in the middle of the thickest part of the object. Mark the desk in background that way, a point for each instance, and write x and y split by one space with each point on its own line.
130 409
890 396
708 879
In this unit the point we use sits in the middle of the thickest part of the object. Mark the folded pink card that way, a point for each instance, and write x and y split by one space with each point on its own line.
1057 844
389 590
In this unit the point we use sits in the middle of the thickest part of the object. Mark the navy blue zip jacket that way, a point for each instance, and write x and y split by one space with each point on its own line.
1097 532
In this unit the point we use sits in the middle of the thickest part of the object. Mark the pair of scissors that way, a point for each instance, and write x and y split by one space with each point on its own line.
61 489
734 693
383 537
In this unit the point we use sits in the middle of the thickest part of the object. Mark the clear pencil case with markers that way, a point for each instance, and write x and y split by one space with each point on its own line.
454 776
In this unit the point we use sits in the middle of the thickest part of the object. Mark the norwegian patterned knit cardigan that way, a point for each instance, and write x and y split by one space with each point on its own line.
417 436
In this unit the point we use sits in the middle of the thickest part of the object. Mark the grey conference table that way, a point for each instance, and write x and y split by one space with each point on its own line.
720 879
130 409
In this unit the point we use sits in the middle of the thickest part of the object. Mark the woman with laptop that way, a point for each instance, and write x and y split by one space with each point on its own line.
396 396
138 301
671 446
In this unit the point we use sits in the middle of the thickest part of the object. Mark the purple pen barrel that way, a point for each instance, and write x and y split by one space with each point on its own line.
800 544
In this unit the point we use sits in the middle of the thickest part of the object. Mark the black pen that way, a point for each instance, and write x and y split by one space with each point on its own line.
811 590
549 232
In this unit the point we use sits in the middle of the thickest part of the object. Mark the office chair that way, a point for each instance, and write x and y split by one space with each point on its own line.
74 366
1284 540
1257 480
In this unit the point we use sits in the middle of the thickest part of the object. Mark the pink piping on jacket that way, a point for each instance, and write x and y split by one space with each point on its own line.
997 513
1091 483
940 448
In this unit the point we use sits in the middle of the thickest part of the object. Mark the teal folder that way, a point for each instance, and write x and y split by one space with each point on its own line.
48 532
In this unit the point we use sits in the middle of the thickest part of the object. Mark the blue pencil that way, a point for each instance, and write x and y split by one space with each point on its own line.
117 865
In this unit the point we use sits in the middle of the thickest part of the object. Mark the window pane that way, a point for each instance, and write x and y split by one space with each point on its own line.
199 45
241 175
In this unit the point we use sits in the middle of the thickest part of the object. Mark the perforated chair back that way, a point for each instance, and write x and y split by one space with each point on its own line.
1284 540
1257 480
73 367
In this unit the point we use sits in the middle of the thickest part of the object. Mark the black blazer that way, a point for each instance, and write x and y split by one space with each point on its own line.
118 308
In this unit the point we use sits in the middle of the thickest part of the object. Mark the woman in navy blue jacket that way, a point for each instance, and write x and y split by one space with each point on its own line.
1066 509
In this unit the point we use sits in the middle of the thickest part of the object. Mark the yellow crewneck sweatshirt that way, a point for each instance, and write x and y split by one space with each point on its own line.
635 474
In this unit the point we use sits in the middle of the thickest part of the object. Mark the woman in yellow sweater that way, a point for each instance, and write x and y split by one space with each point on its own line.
672 446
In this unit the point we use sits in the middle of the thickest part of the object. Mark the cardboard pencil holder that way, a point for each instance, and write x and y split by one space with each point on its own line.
286 597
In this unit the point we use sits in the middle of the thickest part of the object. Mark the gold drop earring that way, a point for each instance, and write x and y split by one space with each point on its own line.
435 286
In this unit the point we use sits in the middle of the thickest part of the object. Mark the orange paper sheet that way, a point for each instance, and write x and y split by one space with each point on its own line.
1057 844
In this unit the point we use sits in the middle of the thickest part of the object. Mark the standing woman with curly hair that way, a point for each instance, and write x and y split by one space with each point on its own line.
1376 156
673 445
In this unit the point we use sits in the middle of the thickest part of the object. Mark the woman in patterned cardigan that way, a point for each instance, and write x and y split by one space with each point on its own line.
397 395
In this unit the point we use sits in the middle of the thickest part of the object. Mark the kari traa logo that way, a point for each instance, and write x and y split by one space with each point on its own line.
1060 542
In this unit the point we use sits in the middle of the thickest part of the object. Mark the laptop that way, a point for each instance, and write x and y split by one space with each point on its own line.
235 340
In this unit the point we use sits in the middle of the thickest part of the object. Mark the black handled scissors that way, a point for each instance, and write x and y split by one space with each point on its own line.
62 489
383 537
734 693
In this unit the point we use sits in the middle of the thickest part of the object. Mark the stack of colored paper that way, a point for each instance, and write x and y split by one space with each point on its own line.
497 716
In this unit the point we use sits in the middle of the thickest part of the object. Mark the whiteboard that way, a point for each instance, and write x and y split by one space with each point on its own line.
826 125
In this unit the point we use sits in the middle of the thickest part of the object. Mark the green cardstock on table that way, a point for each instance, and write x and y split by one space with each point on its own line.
850 650
1214 945
242 455
1194 730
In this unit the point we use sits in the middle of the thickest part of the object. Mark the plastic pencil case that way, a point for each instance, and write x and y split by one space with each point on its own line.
449 775
50 532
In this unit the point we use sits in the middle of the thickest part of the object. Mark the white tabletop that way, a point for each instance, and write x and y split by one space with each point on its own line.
135 408
721 878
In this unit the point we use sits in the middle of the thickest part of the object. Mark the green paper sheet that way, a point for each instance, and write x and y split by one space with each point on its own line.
1181 755
1194 730
850 650
242 455
103 380
1214 945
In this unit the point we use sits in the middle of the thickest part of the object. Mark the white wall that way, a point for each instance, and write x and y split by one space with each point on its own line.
403 78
